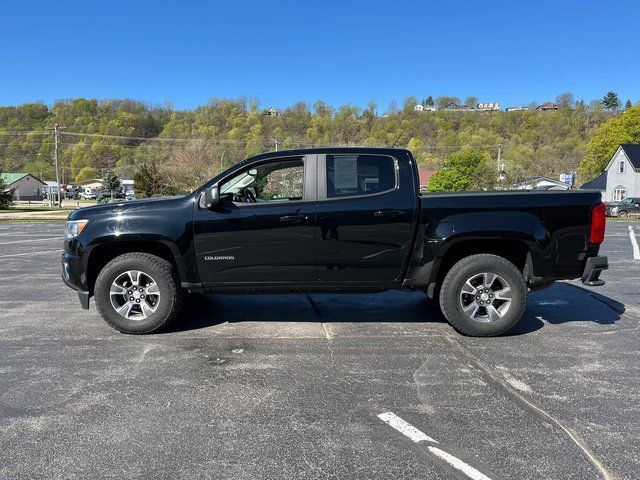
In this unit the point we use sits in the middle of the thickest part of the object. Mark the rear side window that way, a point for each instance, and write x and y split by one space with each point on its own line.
349 175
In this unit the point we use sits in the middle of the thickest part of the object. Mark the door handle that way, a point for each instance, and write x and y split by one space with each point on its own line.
387 213
294 218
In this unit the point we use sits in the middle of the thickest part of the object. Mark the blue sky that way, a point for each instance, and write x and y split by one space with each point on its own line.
342 52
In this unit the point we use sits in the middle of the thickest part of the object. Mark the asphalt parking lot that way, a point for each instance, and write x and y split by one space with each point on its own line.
292 386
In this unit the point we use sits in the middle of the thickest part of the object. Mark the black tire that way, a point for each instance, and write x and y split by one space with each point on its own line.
452 297
168 284
623 214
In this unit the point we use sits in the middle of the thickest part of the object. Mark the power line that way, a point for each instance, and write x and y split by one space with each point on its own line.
123 137
219 141
25 132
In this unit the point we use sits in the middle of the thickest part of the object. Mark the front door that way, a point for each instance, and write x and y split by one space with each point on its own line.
263 231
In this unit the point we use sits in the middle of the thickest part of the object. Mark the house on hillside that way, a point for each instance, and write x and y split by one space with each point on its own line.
518 108
547 106
488 107
621 177
23 186
454 107
424 108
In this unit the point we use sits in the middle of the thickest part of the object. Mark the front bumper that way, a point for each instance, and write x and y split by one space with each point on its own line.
592 269
74 277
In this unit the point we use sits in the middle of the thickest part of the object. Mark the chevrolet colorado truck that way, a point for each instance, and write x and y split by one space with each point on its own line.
347 220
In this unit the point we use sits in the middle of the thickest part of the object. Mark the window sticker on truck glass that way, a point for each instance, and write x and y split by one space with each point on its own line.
345 172
359 175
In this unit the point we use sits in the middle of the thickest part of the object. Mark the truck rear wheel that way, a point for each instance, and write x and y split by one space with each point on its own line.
138 293
483 295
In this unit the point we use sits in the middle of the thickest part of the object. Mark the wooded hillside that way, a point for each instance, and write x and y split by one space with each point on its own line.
189 146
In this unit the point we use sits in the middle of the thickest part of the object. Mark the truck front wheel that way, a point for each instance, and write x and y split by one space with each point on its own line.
483 295
138 293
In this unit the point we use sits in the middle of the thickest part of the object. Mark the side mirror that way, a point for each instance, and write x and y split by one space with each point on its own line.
212 197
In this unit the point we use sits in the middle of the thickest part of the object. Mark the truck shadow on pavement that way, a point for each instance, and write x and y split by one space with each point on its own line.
563 307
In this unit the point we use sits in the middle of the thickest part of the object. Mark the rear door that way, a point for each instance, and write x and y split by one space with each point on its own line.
366 208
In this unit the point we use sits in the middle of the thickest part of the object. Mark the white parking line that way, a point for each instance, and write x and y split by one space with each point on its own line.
31 253
34 240
404 428
634 244
417 436
458 464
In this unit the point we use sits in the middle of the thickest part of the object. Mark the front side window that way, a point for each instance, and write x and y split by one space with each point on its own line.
279 181
619 193
350 175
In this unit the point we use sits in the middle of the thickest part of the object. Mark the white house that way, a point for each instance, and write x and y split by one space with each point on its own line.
541 183
488 106
623 173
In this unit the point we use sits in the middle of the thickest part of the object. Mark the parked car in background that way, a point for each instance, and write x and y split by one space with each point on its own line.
625 208
88 195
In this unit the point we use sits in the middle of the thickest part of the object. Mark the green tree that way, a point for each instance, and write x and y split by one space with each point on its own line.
462 171
148 181
5 198
611 101
605 141
628 104
86 173
430 101
111 187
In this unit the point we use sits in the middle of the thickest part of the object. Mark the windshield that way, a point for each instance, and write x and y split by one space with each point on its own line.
238 182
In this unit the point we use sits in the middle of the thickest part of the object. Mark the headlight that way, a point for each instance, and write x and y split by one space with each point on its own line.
75 227
614 209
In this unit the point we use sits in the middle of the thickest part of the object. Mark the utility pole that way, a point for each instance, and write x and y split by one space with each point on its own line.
55 152
501 175
222 158
275 140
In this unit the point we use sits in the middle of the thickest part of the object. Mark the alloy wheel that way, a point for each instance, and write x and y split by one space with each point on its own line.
135 295
485 297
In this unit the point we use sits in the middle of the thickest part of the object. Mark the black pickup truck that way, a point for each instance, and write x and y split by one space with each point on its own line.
332 220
